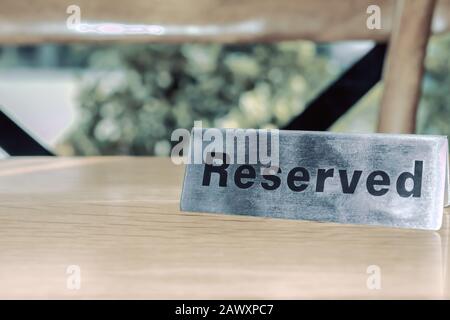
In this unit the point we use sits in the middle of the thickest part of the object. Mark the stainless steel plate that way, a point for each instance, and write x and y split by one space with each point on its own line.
373 179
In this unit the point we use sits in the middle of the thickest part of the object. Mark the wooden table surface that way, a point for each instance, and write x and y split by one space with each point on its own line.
118 219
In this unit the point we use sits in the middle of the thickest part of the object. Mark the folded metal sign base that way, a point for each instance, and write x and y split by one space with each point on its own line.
373 179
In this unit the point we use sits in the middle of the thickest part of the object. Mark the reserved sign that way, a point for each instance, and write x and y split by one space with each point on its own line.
375 179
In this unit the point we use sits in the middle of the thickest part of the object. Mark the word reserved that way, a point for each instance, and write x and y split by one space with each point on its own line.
374 179
298 179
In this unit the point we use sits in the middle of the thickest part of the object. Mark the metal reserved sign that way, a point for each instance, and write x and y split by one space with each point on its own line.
374 179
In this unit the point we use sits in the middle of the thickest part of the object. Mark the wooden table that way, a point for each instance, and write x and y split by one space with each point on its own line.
43 21
118 219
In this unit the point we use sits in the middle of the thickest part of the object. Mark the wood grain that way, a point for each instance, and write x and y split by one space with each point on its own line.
405 66
119 220
40 21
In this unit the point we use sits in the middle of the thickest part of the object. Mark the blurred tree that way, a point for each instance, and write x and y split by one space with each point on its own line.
434 109
141 93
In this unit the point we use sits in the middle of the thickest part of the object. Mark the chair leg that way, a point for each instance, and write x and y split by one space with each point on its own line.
405 66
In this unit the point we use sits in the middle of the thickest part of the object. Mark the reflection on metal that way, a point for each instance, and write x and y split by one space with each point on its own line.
110 28
114 29
374 179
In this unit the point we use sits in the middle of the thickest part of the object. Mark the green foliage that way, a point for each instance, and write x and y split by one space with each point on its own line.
141 93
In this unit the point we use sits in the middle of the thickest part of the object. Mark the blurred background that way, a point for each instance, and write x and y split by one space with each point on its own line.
112 99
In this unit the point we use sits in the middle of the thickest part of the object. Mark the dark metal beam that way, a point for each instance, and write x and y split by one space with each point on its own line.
341 95
16 141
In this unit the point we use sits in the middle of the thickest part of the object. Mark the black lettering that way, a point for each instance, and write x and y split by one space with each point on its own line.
416 190
378 183
322 175
346 187
220 169
372 181
239 175
293 178
276 181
